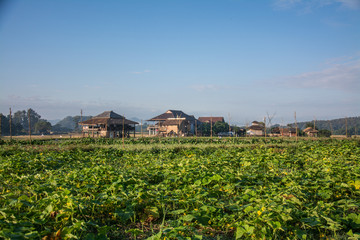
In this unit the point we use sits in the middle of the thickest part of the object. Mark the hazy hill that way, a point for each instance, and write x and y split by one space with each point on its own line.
54 121
69 124
337 126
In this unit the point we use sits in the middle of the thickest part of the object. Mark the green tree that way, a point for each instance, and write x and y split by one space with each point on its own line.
16 128
324 133
5 129
220 127
34 118
204 128
20 121
42 127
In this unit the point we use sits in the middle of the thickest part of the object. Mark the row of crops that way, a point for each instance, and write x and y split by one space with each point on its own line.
191 189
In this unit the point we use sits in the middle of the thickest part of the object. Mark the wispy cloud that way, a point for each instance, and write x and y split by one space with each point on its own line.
306 6
352 4
341 74
205 87
142 72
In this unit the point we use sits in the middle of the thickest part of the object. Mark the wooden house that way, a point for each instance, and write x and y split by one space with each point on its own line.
108 124
288 132
311 132
172 123
256 129
283 131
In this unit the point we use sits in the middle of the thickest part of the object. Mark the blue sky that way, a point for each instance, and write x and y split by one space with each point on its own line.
140 58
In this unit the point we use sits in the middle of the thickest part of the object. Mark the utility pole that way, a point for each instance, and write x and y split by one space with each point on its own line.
196 130
346 126
123 131
265 126
331 129
141 129
10 121
82 129
229 125
211 127
296 127
28 113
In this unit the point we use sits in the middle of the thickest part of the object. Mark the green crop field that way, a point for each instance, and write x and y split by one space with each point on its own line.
187 188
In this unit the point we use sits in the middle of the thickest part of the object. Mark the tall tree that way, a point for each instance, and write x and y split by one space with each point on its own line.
34 118
42 127
204 129
20 121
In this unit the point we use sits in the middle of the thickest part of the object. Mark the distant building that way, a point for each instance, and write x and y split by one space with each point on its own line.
283 131
108 124
172 123
311 132
288 132
256 129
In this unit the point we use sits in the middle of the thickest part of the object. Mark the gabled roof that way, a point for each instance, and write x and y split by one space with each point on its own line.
211 119
256 127
108 117
172 114
109 114
311 130
288 130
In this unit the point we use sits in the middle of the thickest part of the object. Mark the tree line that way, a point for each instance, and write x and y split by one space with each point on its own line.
20 123
24 121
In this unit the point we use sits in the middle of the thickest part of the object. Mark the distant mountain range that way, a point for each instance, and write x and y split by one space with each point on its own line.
336 126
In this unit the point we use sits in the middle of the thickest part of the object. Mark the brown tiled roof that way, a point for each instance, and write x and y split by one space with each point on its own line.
310 129
172 114
256 127
288 130
109 114
211 119
107 117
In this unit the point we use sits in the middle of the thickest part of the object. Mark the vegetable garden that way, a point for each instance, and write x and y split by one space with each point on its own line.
186 188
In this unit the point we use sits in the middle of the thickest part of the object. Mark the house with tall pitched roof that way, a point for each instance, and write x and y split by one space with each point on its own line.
311 132
108 124
256 129
172 123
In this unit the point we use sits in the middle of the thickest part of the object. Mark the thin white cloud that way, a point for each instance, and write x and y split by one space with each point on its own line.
352 4
306 6
342 75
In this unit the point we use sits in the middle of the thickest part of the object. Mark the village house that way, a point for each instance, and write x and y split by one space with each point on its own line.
311 132
108 124
283 131
172 123
256 129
